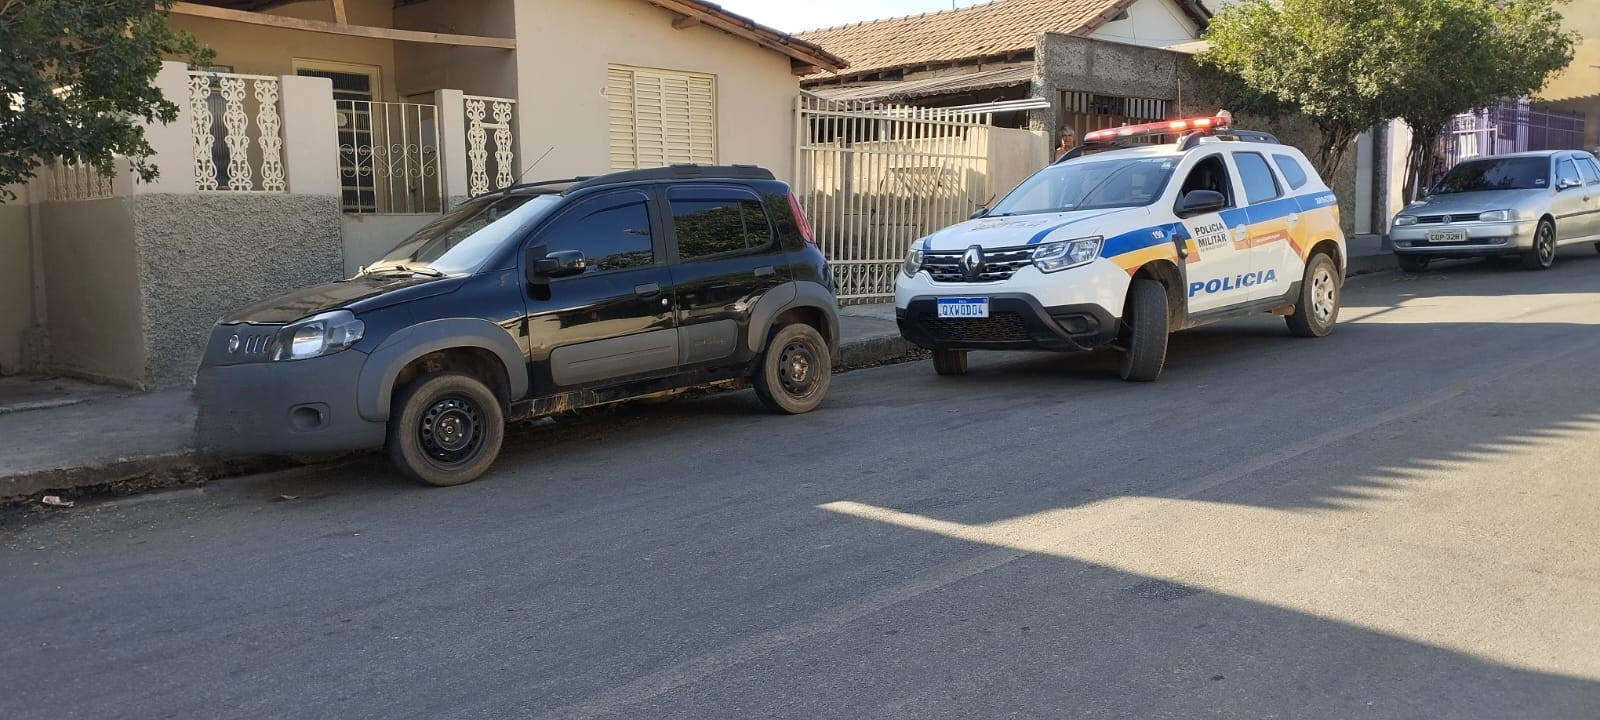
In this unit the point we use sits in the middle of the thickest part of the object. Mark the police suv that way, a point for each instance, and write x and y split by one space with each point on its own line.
1118 244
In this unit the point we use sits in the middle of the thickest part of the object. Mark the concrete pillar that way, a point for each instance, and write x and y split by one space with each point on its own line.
310 135
173 142
452 113
1366 176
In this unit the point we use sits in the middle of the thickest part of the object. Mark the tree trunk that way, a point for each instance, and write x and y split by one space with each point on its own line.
1336 139
1420 159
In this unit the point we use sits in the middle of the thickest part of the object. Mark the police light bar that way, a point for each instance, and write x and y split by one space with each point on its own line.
1173 127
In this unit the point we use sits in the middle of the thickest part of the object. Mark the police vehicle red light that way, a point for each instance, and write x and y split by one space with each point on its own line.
1172 127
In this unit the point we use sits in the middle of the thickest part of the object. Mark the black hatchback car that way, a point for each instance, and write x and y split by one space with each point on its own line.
527 302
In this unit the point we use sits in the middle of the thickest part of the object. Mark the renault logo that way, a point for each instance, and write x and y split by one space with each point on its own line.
972 263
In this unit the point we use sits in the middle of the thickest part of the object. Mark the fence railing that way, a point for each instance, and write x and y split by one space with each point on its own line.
68 179
389 157
486 115
238 141
873 178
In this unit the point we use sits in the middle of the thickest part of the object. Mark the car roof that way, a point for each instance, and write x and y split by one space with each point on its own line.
1173 149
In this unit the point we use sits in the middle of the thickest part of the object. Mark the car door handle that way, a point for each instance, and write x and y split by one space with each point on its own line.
647 290
766 271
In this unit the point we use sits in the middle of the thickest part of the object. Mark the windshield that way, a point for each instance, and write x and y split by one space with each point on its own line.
1525 173
1090 185
464 238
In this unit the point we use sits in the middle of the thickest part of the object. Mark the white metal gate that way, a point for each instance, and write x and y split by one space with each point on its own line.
873 178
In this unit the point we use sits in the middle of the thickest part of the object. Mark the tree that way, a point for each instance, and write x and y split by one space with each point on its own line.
1333 60
76 81
1479 52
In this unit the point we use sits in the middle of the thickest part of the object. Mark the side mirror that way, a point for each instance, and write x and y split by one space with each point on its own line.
561 263
1196 202
980 212
1568 183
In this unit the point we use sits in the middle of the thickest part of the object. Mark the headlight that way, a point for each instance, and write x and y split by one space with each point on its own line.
320 335
913 260
1498 215
1069 254
1402 220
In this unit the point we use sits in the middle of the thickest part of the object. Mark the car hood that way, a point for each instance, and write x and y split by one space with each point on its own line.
359 294
1472 203
1017 230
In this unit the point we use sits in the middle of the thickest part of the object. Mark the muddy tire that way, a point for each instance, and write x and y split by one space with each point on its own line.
950 363
446 429
795 370
1144 332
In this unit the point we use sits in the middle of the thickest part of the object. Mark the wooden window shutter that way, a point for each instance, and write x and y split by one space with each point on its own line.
661 117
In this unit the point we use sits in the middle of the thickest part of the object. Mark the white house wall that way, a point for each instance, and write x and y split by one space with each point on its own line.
16 281
1151 23
563 49
257 50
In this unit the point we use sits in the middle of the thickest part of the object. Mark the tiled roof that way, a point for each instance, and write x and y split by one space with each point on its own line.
986 30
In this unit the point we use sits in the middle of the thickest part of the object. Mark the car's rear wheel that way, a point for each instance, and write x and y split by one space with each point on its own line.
950 362
1318 309
795 370
1144 331
446 429
1597 247
1412 263
1543 253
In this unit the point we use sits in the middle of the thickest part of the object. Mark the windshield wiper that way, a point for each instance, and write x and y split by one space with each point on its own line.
404 269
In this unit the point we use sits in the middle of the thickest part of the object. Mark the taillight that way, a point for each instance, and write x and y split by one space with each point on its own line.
801 220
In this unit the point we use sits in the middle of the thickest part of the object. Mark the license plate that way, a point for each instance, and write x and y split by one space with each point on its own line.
1447 236
963 307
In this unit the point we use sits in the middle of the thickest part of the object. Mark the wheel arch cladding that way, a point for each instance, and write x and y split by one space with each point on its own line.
1171 278
375 389
807 297
1332 250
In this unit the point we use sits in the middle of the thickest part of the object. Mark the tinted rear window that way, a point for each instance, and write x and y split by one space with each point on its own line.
1292 171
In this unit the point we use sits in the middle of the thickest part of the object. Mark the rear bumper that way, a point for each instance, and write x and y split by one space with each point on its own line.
1015 322
284 407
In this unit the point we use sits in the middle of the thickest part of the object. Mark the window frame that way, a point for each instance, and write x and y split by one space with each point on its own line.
1230 192
614 198
1556 176
739 193
1277 185
1584 159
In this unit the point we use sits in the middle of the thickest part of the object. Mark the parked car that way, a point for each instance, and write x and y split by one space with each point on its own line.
531 301
1120 247
1526 204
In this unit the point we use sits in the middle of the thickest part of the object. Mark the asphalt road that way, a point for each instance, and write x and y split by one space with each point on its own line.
1398 521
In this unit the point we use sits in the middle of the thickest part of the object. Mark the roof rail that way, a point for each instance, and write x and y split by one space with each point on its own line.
527 185
1190 141
678 172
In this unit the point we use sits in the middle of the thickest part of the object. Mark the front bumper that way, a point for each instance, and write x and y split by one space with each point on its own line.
301 406
1016 322
1483 238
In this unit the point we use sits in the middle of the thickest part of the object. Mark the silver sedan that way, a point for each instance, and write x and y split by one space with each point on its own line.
1526 204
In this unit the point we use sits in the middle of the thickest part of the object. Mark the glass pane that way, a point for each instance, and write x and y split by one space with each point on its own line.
1524 173
1259 184
757 227
707 227
611 237
1566 172
1292 171
1590 169
1209 174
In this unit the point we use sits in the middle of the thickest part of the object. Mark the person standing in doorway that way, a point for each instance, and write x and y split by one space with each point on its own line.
1066 140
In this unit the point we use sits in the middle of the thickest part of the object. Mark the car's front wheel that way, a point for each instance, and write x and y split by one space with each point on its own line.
1318 308
950 363
446 429
795 370
1543 253
1412 263
1144 331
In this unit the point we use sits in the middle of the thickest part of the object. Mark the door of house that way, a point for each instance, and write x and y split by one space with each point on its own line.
355 87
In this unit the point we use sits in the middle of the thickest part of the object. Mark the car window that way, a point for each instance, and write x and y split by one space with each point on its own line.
1089 184
1292 171
462 239
714 223
1259 183
612 232
1518 173
1587 168
1567 172
1208 174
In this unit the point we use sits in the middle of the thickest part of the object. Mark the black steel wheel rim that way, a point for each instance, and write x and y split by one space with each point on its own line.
451 430
797 369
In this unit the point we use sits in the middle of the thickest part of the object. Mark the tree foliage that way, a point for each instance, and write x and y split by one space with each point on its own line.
76 81
1351 64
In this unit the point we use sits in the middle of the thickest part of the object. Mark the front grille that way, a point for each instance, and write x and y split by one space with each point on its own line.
999 264
250 341
998 327
1438 219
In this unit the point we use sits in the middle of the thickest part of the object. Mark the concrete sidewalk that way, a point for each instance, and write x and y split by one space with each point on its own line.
85 435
